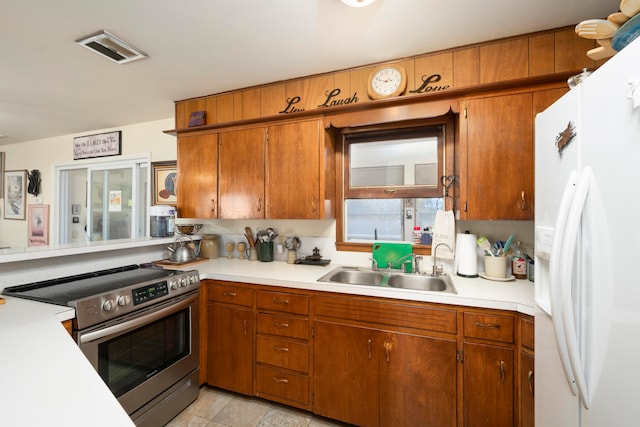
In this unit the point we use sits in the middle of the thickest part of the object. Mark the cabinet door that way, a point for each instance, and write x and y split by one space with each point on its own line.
526 390
294 175
197 183
417 381
241 174
230 349
500 158
488 385
346 373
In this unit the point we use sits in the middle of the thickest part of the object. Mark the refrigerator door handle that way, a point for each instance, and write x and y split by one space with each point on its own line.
555 273
568 253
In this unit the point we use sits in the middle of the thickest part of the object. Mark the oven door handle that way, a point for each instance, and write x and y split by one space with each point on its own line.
134 323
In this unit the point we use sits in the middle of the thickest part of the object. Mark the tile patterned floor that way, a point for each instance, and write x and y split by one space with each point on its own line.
220 408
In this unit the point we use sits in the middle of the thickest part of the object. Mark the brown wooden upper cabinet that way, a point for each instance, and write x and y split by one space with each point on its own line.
499 158
296 185
197 186
241 174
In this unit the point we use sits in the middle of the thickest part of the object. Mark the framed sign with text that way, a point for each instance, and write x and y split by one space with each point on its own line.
99 145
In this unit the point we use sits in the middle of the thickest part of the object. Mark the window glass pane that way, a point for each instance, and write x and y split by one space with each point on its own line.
426 211
366 217
385 219
401 162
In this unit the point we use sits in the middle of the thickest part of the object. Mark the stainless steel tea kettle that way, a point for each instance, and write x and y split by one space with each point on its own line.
182 250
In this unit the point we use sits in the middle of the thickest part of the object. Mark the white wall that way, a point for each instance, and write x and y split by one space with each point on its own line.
45 154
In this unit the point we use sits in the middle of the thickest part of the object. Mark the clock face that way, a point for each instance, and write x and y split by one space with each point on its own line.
387 81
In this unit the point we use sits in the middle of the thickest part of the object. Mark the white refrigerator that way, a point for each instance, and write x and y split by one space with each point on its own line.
587 231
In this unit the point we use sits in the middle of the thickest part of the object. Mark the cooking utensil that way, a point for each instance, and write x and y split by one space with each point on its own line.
630 7
249 234
507 245
485 245
182 252
596 29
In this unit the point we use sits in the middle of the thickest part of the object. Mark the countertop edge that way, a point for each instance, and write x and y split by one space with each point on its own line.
516 296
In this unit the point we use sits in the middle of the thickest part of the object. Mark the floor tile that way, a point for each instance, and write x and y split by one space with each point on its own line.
242 412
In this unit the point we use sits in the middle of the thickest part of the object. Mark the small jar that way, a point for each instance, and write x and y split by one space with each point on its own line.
210 246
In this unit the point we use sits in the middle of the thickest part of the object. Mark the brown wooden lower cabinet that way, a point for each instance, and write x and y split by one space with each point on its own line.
345 385
373 378
230 338
488 385
371 361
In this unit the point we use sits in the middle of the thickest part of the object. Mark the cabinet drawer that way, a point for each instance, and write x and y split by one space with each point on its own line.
280 301
403 314
292 327
285 385
231 294
282 353
488 326
527 333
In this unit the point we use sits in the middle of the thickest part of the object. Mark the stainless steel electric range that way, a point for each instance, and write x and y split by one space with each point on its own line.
139 329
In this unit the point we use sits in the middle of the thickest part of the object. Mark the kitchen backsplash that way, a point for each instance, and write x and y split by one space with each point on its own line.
321 234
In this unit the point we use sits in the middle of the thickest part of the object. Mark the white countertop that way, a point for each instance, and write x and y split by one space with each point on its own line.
515 295
46 380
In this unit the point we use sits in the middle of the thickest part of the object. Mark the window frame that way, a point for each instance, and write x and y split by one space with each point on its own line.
360 133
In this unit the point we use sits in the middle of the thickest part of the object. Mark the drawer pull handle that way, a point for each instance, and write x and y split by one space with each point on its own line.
281 301
281 380
387 349
229 294
530 380
369 348
487 325
281 349
280 325
502 372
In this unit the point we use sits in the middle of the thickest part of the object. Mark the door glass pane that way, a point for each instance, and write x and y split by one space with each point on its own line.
111 204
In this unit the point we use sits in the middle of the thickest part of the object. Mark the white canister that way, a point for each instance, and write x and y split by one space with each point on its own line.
466 261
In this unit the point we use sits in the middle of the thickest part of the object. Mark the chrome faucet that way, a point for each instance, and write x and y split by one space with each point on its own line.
414 263
436 271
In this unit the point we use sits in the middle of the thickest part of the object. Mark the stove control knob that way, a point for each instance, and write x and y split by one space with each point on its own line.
124 300
173 285
183 282
192 280
108 305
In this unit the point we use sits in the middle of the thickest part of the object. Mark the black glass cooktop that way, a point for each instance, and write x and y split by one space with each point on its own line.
64 290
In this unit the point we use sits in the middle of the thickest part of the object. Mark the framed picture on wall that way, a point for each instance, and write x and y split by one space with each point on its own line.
15 194
163 183
38 225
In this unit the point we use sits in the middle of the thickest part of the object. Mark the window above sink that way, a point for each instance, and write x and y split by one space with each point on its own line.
391 180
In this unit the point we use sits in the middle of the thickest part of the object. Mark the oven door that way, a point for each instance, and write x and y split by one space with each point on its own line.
142 355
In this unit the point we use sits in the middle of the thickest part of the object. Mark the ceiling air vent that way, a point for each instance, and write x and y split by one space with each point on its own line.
112 47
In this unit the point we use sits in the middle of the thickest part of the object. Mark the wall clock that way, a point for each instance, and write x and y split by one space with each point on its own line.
387 81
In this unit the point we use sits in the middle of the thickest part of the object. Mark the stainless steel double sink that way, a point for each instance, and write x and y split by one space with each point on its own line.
389 278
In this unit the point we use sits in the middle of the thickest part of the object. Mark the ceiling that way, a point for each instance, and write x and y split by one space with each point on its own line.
51 86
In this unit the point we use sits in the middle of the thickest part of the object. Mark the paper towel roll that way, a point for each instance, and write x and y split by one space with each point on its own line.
466 262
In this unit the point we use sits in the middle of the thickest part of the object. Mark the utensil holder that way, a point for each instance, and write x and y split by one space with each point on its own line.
495 266
265 251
